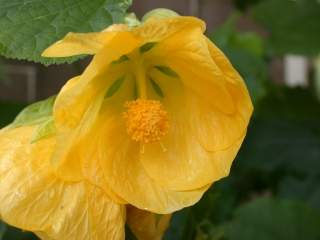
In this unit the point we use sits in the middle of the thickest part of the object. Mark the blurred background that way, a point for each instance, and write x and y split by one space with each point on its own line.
273 191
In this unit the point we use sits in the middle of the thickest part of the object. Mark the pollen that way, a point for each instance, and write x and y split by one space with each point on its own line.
146 120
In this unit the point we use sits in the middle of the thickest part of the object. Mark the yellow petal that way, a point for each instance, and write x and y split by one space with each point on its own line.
34 199
202 141
78 104
72 103
146 225
118 158
187 54
236 124
155 29
79 43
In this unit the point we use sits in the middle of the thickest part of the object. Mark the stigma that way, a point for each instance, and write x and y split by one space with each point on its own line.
146 120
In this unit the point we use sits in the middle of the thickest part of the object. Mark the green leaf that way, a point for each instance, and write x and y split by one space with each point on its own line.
180 226
17 234
289 104
267 218
273 145
249 41
3 229
29 27
35 113
293 26
148 46
156 88
115 87
46 129
306 190
8 112
167 71
159 13
131 20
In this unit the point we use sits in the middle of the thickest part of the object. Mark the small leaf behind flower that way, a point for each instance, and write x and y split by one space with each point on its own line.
35 113
29 27
46 129
167 71
115 87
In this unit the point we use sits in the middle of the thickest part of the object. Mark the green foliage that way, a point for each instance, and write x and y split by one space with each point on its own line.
29 27
294 104
159 13
35 113
284 131
282 144
45 130
12 233
293 26
267 218
131 20
3 229
8 111
301 189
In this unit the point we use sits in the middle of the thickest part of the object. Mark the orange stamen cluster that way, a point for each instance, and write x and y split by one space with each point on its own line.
146 120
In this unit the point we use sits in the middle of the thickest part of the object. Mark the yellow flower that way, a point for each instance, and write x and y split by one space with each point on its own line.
157 116
33 198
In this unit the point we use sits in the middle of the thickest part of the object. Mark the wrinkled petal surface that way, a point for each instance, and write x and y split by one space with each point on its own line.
154 30
34 199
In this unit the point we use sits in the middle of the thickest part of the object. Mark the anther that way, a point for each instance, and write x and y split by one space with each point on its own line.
146 120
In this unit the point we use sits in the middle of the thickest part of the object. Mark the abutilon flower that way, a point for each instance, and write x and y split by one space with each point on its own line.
34 198
153 121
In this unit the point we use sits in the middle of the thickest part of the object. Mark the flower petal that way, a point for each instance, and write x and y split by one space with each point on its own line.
74 100
79 43
155 29
188 55
202 141
77 105
73 144
118 158
146 225
34 199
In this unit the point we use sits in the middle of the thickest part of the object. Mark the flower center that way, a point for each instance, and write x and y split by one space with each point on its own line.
146 120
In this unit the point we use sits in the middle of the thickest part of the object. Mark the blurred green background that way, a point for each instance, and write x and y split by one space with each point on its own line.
273 191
